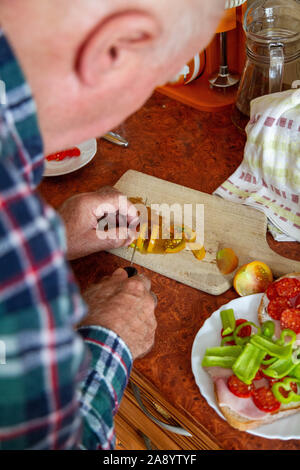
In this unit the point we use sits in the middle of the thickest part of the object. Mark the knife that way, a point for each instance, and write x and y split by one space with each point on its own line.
131 271
115 139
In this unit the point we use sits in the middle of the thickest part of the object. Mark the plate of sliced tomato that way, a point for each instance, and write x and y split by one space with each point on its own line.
71 159
210 335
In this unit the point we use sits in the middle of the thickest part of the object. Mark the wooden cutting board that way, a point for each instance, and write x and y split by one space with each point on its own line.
226 224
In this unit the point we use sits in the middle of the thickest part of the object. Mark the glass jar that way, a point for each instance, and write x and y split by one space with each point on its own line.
272 29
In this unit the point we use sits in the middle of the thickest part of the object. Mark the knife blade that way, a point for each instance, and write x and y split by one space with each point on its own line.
131 271
133 253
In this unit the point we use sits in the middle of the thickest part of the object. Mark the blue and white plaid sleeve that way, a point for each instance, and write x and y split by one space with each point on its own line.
59 388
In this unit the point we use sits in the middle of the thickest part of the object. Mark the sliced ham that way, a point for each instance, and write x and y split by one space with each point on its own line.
217 372
261 383
243 406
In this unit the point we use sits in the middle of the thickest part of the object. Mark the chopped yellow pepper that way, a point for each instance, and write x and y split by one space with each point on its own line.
154 237
175 246
199 254
142 237
187 233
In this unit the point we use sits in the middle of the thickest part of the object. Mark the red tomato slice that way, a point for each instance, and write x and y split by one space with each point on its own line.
264 399
239 388
277 306
246 331
259 375
288 287
229 343
290 318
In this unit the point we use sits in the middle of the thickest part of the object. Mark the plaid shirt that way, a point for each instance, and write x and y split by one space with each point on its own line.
59 389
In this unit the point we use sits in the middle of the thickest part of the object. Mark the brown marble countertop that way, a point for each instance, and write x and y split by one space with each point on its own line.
195 149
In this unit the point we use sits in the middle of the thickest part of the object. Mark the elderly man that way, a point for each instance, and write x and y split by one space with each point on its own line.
88 65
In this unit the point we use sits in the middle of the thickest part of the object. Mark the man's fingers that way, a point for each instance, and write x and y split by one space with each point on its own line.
145 280
115 237
126 306
111 201
124 236
149 307
135 282
107 190
155 299
120 273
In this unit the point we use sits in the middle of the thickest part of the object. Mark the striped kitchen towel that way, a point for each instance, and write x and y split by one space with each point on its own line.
269 177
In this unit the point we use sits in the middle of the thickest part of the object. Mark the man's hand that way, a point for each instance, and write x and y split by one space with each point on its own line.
81 214
125 306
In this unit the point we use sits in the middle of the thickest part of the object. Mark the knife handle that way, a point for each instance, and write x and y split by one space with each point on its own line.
131 271
115 139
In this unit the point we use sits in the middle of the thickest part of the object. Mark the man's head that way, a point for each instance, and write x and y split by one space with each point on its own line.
92 63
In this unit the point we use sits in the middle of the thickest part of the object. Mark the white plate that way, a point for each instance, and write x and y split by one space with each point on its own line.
88 151
208 336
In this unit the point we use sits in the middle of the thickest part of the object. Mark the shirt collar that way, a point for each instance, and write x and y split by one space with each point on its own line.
20 136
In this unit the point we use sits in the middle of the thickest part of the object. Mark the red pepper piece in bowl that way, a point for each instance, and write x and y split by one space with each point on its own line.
59 156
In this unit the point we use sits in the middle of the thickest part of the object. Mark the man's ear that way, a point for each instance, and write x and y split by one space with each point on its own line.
114 44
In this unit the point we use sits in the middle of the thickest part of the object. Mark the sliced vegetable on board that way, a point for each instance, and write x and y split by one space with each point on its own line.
227 261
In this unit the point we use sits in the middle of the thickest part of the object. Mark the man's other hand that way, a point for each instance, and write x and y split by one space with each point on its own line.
81 215
125 306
